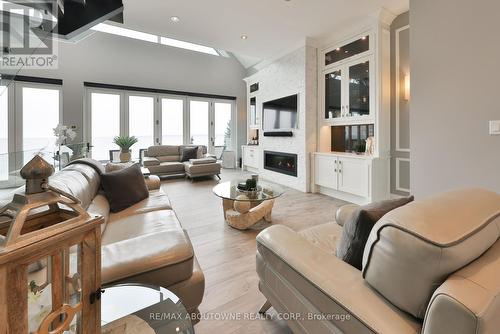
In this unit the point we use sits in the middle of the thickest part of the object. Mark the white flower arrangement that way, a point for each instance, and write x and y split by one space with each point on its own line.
62 133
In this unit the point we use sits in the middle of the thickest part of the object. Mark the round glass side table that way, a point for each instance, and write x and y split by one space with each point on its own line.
138 308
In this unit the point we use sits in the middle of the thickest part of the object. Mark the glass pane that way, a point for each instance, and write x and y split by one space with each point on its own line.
198 122
222 124
4 161
105 114
141 122
172 121
40 117
333 97
73 274
349 50
39 292
359 89
253 111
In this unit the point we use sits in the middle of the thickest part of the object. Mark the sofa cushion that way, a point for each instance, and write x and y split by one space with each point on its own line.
324 236
164 249
358 226
414 248
169 158
125 187
141 242
126 227
167 168
157 200
161 150
188 153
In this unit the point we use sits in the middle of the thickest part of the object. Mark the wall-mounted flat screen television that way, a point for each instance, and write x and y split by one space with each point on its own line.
280 114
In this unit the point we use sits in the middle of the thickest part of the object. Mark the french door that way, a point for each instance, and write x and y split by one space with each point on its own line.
211 123
141 121
157 119
28 114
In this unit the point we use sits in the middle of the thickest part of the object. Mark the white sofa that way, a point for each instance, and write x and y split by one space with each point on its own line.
431 266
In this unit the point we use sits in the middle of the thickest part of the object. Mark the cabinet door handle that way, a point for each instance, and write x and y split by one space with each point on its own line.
335 170
340 171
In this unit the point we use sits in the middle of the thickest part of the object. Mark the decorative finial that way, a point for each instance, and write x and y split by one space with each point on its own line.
36 173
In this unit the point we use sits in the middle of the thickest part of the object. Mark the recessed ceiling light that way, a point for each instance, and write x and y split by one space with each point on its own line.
243 37
175 19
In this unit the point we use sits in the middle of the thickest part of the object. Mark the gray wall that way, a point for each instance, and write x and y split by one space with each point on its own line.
455 87
400 108
105 58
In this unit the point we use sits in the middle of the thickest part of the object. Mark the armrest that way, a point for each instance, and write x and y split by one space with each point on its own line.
341 282
208 155
344 212
469 300
148 161
152 182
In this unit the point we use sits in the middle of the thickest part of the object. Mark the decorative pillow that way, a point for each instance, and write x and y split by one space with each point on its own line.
358 226
114 166
123 188
188 153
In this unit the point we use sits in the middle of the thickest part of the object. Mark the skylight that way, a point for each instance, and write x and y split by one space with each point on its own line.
114 30
188 46
119 31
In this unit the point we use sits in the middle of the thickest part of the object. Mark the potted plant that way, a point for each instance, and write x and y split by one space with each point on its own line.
125 142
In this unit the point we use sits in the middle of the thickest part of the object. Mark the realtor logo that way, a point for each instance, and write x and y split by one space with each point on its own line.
27 28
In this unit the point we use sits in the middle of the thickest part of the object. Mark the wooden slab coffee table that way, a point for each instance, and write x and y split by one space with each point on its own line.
243 209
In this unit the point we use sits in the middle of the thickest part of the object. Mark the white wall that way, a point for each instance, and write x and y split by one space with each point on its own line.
295 73
109 59
454 53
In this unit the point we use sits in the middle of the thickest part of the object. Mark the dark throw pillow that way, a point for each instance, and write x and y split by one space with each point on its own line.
189 153
123 188
358 227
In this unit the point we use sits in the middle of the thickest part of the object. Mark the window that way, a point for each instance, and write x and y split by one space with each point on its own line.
105 120
141 122
172 121
155 118
40 110
4 133
28 114
198 116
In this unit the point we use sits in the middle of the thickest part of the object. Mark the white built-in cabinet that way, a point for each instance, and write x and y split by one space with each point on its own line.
250 157
341 173
354 93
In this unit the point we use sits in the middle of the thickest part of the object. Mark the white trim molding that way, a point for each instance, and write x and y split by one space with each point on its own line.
398 186
398 92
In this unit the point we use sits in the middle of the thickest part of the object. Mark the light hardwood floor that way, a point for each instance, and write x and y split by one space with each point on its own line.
227 256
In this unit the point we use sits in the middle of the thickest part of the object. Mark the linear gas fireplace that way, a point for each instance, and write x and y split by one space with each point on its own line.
285 163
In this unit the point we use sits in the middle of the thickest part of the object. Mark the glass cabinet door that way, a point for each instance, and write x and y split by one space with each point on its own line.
359 89
333 95
253 111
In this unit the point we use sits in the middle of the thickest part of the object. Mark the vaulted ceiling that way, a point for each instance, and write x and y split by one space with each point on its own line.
272 26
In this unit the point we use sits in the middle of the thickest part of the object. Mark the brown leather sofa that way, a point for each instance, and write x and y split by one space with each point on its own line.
144 243
431 266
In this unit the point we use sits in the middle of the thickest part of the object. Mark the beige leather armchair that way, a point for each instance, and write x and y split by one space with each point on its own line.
432 266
